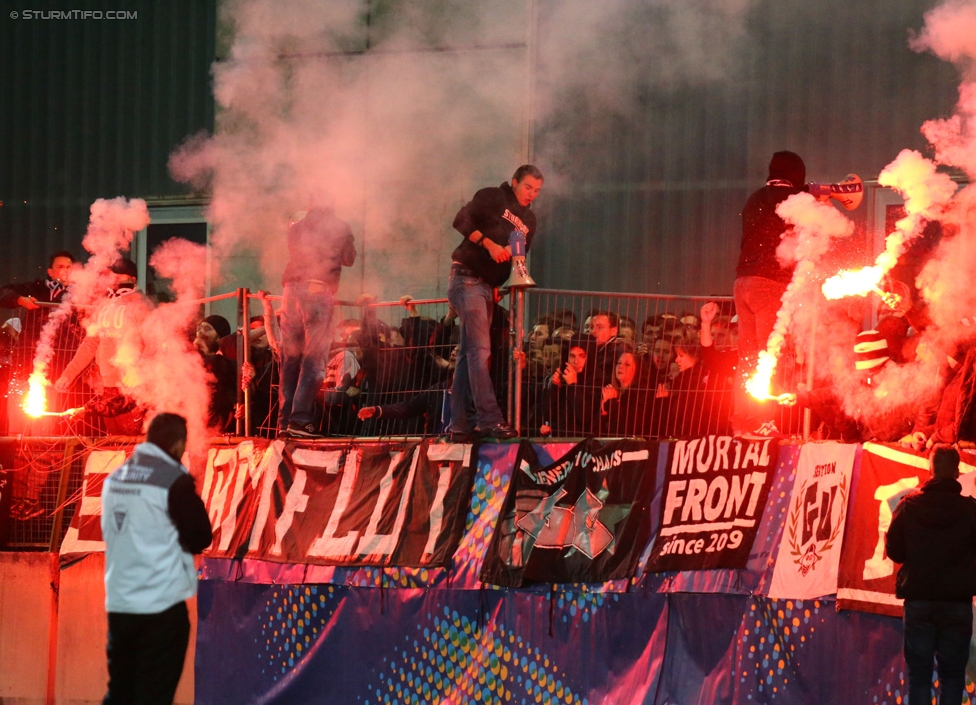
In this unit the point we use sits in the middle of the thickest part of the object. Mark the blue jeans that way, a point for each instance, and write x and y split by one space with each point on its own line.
306 334
473 403
940 630
757 301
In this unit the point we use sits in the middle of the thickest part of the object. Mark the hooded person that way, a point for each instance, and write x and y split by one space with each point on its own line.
569 404
761 280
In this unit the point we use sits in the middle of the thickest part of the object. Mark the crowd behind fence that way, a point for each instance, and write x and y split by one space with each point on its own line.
585 364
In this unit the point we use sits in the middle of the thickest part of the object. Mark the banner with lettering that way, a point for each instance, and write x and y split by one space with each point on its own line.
809 552
867 576
230 491
583 518
85 532
715 491
393 504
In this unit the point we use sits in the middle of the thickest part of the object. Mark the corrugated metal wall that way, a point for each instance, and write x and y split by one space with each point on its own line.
648 200
652 205
92 108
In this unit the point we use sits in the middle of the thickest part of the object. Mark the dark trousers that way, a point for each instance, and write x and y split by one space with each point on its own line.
145 655
939 630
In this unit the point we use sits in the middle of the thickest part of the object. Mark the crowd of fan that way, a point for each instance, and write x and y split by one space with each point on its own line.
582 373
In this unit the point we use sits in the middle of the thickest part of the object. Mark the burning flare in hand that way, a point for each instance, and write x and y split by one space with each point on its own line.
35 402
758 385
859 282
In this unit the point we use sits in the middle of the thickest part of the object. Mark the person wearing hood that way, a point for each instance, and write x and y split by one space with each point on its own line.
153 522
933 536
480 264
761 280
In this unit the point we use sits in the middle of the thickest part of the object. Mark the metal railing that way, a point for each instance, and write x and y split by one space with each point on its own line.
389 374
390 368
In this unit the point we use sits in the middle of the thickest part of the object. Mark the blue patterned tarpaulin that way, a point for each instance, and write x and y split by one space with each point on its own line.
407 635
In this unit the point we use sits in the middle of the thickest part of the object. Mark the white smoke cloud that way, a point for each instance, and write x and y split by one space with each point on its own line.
172 374
403 114
111 227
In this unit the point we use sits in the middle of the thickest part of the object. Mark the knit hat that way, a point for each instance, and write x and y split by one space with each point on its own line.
788 166
219 324
125 267
870 350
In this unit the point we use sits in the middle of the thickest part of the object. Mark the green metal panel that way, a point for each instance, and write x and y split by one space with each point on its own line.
651 198
90 109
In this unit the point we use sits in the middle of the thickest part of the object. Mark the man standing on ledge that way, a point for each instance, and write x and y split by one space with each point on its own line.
319 246
933 536
481 263
153 521
761 282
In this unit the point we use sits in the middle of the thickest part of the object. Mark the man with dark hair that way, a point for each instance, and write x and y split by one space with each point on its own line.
761 280
604 327
933 536
35 298
153 523
481 263
319 246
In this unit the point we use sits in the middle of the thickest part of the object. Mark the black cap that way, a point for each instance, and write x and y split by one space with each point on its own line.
789 167
219 324
126 267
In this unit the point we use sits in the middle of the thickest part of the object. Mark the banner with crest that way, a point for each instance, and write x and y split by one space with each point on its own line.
810 550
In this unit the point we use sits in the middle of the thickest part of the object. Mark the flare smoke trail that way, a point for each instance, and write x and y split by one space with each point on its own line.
165 372
172 372
945 282
815 225
110 230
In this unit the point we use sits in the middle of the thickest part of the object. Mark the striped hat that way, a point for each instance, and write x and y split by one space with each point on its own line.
870 350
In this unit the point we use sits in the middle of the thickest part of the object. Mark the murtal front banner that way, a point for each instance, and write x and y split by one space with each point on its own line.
715 491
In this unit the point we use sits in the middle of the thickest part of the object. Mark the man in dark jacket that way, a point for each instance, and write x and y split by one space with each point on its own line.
319 246
761 280
37 299
481 263
933 536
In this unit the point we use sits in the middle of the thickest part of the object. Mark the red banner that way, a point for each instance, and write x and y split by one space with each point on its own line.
867 576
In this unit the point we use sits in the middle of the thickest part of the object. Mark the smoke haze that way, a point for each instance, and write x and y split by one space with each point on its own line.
402 113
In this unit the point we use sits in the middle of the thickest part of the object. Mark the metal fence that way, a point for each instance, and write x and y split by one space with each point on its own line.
40 484
588 363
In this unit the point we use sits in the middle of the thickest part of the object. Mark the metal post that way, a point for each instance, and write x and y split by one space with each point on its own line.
58 523
242 350
811 356
519 333
248 421
511 357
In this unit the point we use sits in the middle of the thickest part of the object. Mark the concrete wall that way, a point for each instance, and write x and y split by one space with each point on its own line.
72 653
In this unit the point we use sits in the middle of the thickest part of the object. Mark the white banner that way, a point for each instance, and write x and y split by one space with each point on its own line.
809 552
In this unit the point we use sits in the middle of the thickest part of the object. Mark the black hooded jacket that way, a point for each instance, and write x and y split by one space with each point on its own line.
933 536
495 212
762 228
